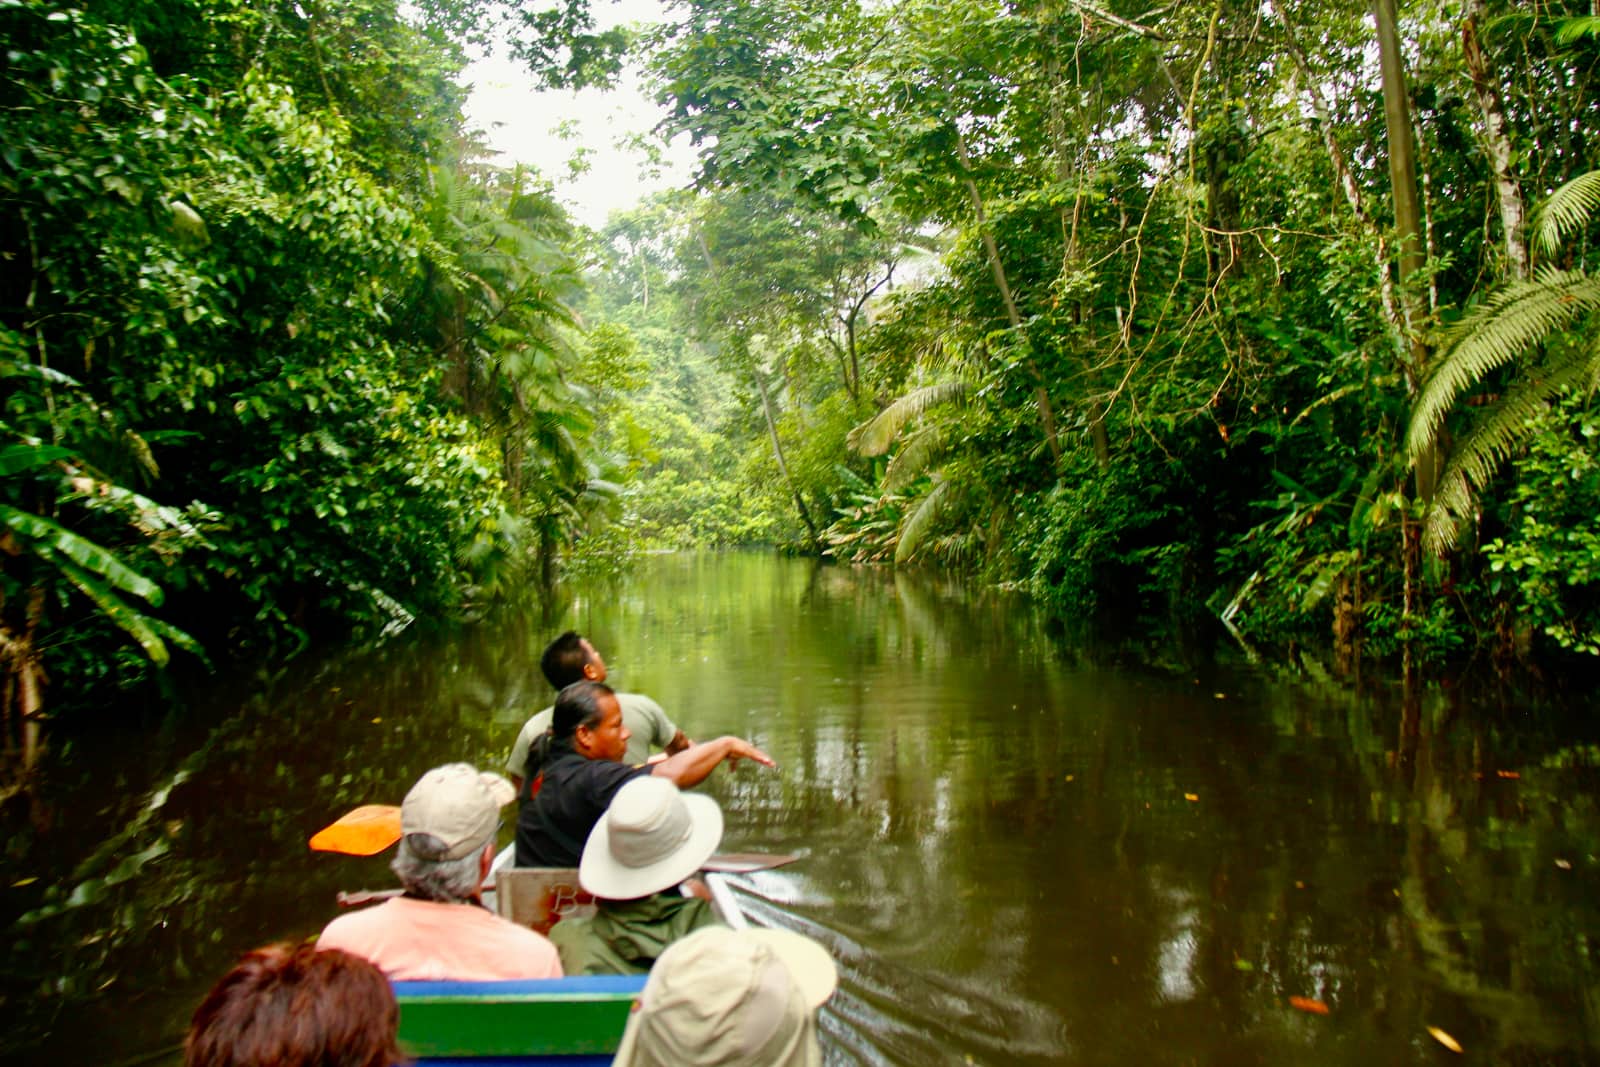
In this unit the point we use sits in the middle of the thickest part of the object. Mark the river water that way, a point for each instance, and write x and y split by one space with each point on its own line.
1020 848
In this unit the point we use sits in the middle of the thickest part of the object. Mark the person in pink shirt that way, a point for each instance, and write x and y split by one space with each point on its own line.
439 929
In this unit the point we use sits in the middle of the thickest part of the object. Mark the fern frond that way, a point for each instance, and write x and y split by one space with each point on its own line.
1513 321
917 522
917 453
1498 430
873 437
1567 209
1494 436
1450 507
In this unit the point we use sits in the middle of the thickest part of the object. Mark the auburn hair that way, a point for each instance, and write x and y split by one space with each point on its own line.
292 1006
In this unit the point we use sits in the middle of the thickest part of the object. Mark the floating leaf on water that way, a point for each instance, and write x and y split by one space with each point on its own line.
1445 1039
1307 1004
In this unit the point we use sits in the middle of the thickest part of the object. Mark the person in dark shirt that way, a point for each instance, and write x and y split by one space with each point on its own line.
579 766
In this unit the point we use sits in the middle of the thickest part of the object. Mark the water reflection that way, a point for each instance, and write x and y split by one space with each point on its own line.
1021 850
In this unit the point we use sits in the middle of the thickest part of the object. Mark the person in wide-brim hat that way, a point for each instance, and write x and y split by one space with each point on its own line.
731 998
650 840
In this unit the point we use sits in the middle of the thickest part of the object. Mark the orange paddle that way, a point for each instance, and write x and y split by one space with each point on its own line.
366 831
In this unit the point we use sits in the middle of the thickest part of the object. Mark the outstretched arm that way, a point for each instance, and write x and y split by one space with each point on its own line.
691 766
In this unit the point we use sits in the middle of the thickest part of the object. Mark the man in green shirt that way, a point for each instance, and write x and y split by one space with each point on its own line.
570 658
651 839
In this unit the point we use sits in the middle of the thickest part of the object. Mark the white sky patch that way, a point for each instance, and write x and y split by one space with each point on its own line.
585 142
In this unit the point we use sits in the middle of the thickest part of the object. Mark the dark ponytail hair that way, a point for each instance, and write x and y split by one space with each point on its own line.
576 705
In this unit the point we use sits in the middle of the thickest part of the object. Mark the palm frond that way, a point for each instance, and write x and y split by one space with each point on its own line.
921 518
1495 434
917 453
1511 323
873 437
1567 209
1450 507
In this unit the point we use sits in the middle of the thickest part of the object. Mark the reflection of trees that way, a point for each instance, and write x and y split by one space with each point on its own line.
170 854
981 902
1480 853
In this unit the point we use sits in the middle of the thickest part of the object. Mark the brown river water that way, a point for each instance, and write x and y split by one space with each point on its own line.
1021 848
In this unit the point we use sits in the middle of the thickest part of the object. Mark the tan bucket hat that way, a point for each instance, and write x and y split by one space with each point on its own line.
651 838
458 805
731 997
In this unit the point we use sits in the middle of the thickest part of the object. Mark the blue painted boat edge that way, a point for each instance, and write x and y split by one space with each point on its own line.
577 985
518 1061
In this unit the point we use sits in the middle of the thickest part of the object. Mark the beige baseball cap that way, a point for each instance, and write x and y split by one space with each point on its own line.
731 997
458 805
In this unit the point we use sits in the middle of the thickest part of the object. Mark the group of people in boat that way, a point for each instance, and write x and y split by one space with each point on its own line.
590 794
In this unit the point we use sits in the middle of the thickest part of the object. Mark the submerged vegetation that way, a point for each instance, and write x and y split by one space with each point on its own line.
1220 310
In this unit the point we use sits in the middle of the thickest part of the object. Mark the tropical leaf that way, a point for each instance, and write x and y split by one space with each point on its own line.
182 638
1494 435
1323 572
52 542
915 455
1569 208
134 623
873 437
1513 321
20 457
921 518
10 368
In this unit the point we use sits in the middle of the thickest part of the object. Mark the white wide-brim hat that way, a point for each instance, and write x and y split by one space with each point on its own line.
652 837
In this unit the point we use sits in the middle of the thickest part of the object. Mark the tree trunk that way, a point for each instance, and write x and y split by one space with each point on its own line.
1047 416
1394 313
1407 216
783 465
1496 141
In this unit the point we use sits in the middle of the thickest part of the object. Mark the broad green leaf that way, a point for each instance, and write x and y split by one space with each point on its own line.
53 539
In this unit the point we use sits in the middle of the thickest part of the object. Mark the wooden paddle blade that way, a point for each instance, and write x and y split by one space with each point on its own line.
745 862
366 831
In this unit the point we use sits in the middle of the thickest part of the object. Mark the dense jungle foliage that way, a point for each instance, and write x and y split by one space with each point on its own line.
1278 313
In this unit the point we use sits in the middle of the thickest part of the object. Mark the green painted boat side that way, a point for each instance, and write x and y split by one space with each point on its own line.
533 1020
553 1017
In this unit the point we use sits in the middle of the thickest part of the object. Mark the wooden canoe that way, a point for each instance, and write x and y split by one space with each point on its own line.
568 1021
